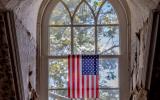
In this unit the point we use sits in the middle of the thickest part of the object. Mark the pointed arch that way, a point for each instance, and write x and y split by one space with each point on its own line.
83 14
120 7
60 15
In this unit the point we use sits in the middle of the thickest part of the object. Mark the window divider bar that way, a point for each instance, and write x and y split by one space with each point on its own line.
100 56
96 38
99 88
82 25
72 37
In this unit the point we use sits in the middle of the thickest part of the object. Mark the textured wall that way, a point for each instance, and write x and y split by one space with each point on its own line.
138 68
27 50
26 12
140 10
140 29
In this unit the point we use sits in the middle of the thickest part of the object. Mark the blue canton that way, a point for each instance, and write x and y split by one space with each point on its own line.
90 64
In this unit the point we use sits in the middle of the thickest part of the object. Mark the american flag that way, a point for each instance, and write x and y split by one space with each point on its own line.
83 76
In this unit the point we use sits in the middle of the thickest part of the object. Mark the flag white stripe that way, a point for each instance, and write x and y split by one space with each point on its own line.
80 67
85 86
90 86
94 86
92 80
71 76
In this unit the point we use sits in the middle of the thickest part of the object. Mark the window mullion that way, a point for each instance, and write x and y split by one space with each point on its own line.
83 25
99 88
96 46
72 37
100 56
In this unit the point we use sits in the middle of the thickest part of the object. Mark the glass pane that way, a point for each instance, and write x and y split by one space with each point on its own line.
83 15
107 15
108 40
59 15
59 40
58 95
72 4
108 71
95 4
109 94
84 40
57 73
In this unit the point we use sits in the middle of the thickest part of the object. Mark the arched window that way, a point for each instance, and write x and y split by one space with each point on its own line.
83 27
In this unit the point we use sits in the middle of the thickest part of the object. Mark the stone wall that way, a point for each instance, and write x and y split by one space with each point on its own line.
26 13
140 11
140 30
138 64
27 52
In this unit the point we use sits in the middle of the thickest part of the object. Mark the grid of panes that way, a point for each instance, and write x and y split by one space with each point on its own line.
83 27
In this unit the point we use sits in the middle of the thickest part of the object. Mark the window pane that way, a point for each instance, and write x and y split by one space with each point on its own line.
57 73
95 4
84 40
108 40
59 15
72 4
58 95
108 72
83 15
109 94
107 15
59 40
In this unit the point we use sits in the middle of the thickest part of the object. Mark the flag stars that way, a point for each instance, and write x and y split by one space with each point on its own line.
90 64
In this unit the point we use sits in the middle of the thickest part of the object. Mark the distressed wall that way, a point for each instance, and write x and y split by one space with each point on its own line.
138 64
140 30
27 52
26 12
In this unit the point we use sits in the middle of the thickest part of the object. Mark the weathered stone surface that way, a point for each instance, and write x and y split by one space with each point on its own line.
27 50
140 11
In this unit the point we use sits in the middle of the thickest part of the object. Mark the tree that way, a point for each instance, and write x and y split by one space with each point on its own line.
84 41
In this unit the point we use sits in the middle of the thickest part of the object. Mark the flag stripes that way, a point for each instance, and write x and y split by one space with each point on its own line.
79 85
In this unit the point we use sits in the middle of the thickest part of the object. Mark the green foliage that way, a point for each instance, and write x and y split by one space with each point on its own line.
58 72
84 42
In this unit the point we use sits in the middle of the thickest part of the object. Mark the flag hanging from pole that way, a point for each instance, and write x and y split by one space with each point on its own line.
83 76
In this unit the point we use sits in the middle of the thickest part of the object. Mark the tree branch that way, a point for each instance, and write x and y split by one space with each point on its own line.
114 46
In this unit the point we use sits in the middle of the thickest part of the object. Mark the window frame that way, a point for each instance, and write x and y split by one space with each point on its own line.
42 81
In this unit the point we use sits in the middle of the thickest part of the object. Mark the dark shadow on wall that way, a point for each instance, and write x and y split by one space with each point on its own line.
10 71
154 58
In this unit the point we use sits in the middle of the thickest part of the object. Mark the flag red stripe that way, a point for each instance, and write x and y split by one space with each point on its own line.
78 77
97 86
73 78
69 76
79 85
83 86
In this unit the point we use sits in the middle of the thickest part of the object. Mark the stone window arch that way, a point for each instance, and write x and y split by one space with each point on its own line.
69 20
